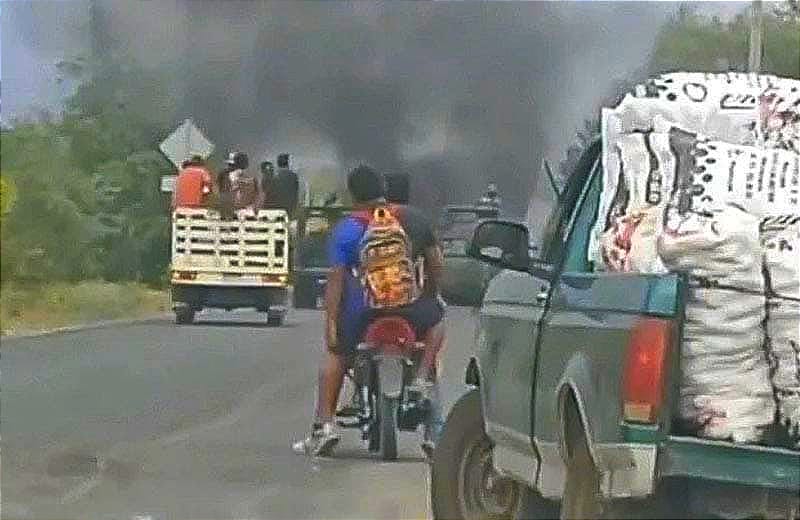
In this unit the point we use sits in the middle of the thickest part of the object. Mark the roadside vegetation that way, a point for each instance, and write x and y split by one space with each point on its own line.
39 307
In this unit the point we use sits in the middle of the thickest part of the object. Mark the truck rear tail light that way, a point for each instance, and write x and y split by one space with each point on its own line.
644 374
274 278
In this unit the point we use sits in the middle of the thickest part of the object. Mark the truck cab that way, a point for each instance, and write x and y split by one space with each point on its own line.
464 279
311 256
571 395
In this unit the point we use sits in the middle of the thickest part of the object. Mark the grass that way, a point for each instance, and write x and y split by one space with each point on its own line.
32 308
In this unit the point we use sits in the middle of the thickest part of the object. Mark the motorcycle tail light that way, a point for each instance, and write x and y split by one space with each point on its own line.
390 331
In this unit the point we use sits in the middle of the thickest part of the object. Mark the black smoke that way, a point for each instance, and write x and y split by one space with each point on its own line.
457 94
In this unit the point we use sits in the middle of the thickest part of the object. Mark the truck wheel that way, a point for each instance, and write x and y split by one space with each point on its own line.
388 432
464 485
275 318
581 499
184 315
374 443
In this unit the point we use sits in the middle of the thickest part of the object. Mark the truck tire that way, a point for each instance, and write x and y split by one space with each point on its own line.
275 318
461 464
184 315
581 499
388 433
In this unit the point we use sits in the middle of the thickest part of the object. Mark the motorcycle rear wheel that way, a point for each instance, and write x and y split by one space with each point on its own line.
388 427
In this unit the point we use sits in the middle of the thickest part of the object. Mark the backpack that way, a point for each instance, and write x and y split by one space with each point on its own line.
244 188
387 270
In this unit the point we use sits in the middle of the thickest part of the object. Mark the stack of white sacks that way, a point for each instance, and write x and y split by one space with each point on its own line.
702 175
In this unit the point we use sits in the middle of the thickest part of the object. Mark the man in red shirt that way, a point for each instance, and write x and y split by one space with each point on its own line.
193 186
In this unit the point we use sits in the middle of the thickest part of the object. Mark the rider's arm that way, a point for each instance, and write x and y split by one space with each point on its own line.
434 259
340 248
333 300
434 263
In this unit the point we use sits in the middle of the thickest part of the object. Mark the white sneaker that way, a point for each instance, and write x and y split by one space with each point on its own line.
319 443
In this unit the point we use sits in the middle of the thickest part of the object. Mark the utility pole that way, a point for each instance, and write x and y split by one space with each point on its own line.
756 27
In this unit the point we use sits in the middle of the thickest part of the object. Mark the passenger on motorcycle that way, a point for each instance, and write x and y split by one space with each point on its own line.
347 315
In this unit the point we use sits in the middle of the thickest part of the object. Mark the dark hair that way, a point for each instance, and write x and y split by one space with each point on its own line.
283 160
266 165
365 184
398 188
238 160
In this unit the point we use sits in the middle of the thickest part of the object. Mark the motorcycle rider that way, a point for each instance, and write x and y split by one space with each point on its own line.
398 188
346 314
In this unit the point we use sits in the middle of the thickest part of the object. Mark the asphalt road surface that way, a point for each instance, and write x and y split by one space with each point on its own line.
157 421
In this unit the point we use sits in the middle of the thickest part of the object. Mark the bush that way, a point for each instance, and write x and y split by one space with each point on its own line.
35 307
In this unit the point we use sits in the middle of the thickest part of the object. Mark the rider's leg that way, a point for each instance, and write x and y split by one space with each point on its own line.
323 437
434 341
430 319
331 376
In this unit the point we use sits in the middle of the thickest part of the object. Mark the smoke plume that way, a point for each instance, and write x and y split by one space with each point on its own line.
456 94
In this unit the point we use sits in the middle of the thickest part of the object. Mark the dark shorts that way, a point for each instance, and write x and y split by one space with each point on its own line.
423 314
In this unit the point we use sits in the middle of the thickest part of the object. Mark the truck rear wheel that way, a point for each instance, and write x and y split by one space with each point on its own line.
275 318
581 499
464 485
184 315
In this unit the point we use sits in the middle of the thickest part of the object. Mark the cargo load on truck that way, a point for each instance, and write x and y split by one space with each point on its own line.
702 176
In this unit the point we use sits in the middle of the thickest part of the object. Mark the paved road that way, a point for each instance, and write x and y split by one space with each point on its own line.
154 420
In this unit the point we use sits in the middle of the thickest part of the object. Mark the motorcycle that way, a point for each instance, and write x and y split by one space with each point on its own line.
383 369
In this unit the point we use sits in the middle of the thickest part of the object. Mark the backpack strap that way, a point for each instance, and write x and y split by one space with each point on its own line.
365 215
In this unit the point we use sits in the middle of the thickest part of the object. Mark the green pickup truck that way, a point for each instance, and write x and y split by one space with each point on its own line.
310 270
464 279
570 408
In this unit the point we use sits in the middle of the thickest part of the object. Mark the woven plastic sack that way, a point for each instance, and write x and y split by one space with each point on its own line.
630 245
725 388
780 237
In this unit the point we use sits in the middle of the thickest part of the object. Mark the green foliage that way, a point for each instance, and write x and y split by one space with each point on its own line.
696 43
42 306
88 201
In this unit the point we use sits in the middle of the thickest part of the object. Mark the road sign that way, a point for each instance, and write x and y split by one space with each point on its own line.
187 140
168 183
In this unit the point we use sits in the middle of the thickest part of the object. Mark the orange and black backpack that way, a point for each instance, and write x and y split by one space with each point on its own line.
390 275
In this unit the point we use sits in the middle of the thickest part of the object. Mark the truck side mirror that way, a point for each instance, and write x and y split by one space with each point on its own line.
501 243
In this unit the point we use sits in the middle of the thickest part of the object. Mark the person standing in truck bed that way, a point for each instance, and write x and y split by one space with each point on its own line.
193 186
239 189
284 188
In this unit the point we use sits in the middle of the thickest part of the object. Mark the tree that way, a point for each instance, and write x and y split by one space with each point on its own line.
88 202
696 43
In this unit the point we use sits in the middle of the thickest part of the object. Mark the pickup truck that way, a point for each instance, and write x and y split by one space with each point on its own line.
310 270
464 279
229 264
570 408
